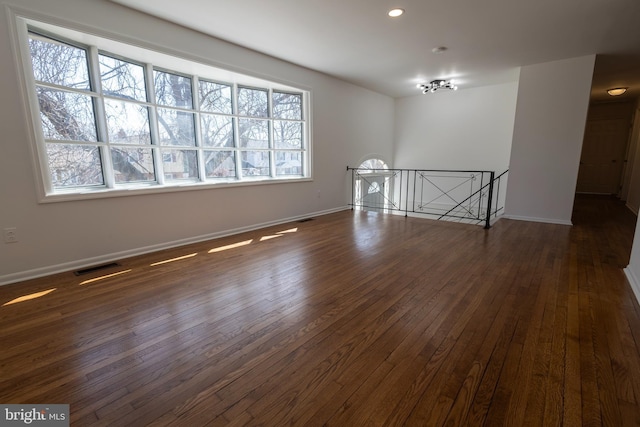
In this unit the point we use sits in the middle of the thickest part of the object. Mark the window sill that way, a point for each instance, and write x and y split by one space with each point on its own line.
142 189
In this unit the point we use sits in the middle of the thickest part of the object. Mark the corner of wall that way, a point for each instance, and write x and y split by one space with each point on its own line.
633 282
547 138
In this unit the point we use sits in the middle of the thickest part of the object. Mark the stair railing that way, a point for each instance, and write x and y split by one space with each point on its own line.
458 195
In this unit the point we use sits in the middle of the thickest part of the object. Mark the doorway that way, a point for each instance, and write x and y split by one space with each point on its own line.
604 149
373 187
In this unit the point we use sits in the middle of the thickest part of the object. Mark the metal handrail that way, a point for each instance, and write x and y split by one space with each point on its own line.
487 195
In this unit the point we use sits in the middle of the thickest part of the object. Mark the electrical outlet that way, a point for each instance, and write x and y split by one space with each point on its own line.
10 235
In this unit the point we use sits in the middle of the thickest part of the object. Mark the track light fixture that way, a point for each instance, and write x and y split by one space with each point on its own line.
435 85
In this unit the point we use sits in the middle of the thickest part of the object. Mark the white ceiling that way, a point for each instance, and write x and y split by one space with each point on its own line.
487 41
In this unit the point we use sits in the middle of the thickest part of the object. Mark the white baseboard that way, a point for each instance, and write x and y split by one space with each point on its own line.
103 259
633 281
534 219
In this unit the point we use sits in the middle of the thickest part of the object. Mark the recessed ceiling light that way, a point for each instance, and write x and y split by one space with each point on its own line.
439 49
394 13
617 91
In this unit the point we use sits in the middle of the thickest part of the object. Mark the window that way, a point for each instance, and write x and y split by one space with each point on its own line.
372 165
108 121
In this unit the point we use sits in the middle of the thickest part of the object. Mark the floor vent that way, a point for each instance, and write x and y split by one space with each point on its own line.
306 219
95 268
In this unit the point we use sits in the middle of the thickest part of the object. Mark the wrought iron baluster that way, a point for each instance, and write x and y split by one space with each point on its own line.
487 224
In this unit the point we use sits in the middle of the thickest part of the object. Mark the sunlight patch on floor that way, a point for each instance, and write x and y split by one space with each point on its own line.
234 245
106 276
29 297
180 258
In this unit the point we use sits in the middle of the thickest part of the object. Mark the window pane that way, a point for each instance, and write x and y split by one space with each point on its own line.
74 165
288 163
215 97
255 163
172 90
121 78
252 102
287 106
66 115
132 164
180 164
287 134
217 131
59 63
127 123
254 133
373 164
220 164
176 127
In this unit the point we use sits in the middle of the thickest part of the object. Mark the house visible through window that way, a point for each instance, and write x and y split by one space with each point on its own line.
107 121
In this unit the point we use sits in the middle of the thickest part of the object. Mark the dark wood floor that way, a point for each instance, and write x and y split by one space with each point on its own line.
350 319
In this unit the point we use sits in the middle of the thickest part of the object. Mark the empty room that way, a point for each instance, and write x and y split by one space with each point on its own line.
283 213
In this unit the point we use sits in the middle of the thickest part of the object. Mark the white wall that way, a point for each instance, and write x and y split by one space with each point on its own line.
469 129
348 122
551 111
633 269
631 188
633 202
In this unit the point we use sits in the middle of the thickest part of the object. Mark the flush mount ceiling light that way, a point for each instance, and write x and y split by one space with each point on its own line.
394 13
617 91
435 85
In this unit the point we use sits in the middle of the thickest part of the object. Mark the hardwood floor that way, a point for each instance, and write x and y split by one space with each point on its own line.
350 319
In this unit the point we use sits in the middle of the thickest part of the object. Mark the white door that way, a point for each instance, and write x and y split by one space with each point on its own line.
374 190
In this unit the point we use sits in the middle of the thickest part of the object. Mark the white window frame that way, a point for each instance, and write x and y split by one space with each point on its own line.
151 57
